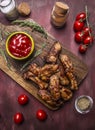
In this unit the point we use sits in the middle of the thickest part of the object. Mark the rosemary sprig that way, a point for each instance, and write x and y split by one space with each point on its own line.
1 35
31 24
37 53
5 58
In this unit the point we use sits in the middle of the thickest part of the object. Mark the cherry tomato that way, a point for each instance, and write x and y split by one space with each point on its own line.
86 31
82 48
88 40
18 118
78 26
41 115
79 37
23 99
81 16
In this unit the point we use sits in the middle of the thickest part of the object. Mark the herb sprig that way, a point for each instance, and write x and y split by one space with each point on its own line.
37 53
31 24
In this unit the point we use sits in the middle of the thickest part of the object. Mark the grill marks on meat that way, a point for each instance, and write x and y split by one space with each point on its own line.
53 53
66 93
41 84
47 71
68 67
54 87
55 79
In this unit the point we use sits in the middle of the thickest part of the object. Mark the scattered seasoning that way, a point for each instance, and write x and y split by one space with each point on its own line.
83 104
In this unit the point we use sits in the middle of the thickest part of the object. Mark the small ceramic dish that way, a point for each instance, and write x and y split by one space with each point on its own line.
19 45
83 104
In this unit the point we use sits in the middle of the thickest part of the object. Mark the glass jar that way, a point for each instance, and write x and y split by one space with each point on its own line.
59 14
83 104
8 8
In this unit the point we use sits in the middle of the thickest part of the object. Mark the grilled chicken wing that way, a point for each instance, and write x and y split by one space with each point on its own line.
47 71
62 77
68 67
54 87
35 69
35 79
66 93
46 96
53 54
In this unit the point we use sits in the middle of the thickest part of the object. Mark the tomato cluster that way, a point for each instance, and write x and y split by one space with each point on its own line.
83 33
19 118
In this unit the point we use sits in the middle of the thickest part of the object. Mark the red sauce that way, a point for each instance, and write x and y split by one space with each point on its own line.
20 45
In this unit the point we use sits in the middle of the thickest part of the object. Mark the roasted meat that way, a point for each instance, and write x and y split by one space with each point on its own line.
66 93
46 96
41 84
44 72
62 77
69 70
35 69
54 87
53 53
47 71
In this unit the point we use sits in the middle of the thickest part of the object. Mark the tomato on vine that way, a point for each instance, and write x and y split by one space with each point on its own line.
78 37
88 40
82 48
81 16
86 31
78 26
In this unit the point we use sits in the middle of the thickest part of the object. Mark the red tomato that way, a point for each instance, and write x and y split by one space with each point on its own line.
78 37
23 99
86 31
81 16
88 40
18 118
41 115
78 26
82 48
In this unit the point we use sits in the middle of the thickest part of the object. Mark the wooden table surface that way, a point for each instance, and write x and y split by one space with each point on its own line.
66 118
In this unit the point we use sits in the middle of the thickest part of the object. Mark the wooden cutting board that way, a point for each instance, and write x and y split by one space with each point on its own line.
15 66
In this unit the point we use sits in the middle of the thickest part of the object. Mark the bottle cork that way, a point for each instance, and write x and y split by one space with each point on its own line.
61 8
59 14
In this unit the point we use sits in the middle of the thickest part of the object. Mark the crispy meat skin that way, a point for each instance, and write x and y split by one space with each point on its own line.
62 77
46 96
66 93
35 79
47 71
35 69
54 87
54 77
68 67
53 53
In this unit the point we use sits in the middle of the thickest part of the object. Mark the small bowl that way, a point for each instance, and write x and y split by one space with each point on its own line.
16 46
83 104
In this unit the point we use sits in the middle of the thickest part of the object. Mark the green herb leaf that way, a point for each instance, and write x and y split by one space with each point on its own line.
37 53
31 24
